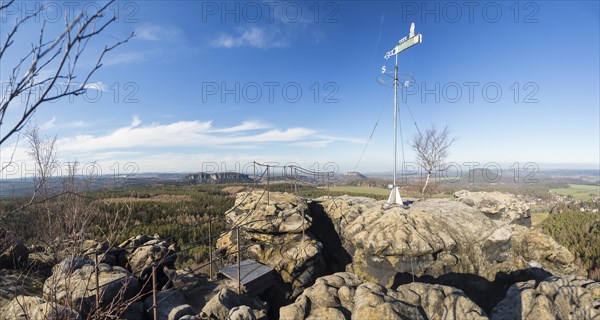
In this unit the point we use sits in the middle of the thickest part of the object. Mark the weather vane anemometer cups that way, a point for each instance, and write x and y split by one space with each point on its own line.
405 43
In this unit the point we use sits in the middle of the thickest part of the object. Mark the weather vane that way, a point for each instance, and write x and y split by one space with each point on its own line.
403 44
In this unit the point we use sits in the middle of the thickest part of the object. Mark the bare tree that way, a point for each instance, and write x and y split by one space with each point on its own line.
432 150
48 70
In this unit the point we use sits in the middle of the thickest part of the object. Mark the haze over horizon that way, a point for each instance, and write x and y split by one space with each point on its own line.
227 82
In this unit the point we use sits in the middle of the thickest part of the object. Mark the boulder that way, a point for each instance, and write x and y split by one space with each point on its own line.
171 305
143 250
35 308
498 206
13 252
344 296
566 297
73 282
280 213
226 304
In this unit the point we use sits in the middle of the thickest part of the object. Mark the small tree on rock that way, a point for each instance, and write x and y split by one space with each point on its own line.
432 150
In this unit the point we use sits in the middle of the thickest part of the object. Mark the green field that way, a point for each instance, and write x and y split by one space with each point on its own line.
362 190
579 191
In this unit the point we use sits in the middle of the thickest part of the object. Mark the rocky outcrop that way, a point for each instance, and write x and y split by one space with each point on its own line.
143 250
272 230
436 237
73 282
35 308
498 206
218 177
229 305
554 298
344 296
13 252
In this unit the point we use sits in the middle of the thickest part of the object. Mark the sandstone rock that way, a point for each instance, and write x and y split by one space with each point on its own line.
222 305
273 234
344 296
436 237
143 250
73 282
241 313
566 297
35 308
13 252
281 213
171 305
499 206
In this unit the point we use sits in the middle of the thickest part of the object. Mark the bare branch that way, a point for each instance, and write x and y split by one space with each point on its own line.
62 53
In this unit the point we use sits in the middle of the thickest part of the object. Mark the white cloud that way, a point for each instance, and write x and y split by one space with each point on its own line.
188 134
96 86
156 32
136 121
245 126
48 124
254 36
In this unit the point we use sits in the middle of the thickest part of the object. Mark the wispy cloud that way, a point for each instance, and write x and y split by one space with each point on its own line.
258 37
136 121
156 32
190 134
96 86
48 124
245 126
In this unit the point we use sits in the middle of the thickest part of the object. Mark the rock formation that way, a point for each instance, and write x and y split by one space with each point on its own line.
271 227
73 283
553 298
499 206
344 296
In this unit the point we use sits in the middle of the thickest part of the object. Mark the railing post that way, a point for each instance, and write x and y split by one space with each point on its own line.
210 269
239 262
97 284
155 311
268 195
296 180
303 229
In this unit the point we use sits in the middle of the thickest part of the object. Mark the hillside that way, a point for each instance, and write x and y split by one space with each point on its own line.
470 257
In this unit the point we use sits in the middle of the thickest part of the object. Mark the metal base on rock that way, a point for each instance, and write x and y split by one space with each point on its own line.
395 197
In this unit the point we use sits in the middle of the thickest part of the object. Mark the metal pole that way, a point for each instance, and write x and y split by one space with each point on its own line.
395 118
254 176
268 196
239 261
210 269
154 290
302 229
97 285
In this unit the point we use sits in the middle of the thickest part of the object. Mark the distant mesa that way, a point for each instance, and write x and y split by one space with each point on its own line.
218 178
355 175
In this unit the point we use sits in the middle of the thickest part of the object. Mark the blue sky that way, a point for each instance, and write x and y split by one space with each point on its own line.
161 100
